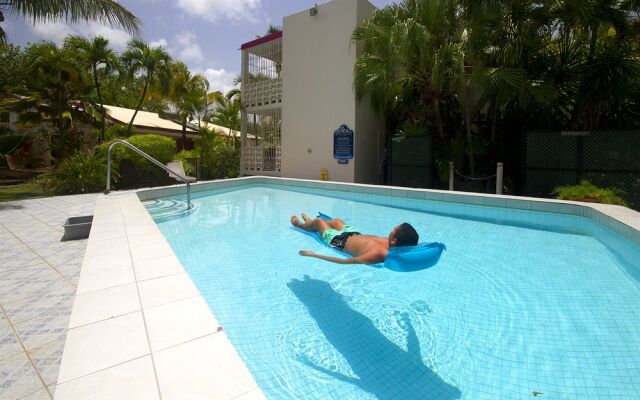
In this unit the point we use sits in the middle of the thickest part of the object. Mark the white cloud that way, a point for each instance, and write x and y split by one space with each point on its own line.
162 42
219 79
57 31
188 50
117 38
213 10
53 31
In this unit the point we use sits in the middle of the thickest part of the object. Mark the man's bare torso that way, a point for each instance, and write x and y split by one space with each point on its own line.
360 244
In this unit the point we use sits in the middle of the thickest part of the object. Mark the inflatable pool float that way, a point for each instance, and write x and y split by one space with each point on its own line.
403 258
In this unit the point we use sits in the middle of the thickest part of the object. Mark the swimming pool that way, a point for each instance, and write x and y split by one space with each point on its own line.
522 304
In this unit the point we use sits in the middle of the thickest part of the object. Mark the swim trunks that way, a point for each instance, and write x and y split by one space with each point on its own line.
338 238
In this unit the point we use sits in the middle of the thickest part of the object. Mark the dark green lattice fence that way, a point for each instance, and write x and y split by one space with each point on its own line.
609 159
412 162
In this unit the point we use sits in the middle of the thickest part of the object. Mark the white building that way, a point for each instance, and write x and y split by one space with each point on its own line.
297 89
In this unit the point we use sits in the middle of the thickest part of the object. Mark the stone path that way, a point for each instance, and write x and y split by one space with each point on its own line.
38 278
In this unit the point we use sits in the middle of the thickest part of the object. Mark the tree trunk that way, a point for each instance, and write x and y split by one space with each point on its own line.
102 113
593 40
61 132
60 110
467 123
184 132
494 116
438 118
235 139
144 93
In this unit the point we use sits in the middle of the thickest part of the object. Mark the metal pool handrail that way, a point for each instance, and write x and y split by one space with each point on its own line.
148 157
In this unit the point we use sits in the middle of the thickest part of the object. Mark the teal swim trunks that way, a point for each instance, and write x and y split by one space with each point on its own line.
338 238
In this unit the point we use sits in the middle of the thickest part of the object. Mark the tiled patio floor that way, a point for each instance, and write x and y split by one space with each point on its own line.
38 278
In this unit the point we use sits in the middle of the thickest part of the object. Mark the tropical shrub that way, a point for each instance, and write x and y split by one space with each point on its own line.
219 157
10 141
115 131
161 148
83 172
184 156
586 191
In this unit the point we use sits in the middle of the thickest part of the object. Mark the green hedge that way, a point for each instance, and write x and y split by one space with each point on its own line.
161 148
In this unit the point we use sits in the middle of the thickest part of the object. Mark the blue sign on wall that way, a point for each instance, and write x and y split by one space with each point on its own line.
343 144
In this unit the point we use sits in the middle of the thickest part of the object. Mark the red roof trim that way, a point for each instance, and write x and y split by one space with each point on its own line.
261 40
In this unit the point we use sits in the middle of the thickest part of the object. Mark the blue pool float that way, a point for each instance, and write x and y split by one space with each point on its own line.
404 258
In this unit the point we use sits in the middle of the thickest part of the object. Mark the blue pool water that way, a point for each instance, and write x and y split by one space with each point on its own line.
510 312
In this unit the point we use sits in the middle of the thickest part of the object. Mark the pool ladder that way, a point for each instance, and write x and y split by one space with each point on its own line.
148 157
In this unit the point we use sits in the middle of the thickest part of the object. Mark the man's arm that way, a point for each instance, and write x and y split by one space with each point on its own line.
365 258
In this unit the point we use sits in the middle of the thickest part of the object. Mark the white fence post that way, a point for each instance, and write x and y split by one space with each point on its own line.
450 175
499 176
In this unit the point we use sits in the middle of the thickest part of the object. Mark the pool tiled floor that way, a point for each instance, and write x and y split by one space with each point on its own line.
38 278
135 311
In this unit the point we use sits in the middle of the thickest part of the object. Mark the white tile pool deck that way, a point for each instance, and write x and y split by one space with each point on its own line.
139 328
38 280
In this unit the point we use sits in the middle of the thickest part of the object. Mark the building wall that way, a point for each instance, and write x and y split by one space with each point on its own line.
318 96
370 149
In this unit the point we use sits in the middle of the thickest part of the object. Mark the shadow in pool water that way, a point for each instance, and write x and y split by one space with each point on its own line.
382 368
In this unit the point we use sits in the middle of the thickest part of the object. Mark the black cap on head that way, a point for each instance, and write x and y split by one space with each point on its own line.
406 235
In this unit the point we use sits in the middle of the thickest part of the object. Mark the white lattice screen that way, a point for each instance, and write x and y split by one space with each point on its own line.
262 113
261 145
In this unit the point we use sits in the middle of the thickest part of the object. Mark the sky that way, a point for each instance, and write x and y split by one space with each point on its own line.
204 34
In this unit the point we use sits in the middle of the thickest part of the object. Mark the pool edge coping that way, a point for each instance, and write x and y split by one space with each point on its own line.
146 335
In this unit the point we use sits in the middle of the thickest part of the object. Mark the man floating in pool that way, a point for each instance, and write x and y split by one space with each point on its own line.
364 249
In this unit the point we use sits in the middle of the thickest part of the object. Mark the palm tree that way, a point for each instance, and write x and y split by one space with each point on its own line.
403 46
38 11
438 62
602 39
227 112
188 93
409 63
53 93
270 31
152 63
94 54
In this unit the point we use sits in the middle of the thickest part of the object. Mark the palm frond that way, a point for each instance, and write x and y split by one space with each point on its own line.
103 11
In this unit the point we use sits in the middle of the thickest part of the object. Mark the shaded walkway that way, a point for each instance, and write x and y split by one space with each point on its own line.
382 368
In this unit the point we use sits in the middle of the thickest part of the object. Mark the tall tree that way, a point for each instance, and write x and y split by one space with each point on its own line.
94 55
38 11
475 70
11 68
153 64
52 94
227 112
188 94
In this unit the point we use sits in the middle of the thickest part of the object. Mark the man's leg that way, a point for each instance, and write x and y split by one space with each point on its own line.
336 224
311 225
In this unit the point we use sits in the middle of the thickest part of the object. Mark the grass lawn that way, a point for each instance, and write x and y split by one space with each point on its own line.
20 192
